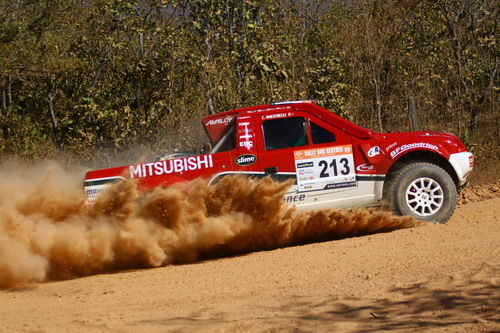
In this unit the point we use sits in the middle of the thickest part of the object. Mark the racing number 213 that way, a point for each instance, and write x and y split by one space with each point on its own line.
344 167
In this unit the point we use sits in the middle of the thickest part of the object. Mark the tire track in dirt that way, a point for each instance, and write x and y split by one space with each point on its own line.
474 193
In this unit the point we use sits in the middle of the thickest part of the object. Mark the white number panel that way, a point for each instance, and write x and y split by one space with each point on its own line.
325 168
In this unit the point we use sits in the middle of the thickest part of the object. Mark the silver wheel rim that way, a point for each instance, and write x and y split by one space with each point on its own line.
424 196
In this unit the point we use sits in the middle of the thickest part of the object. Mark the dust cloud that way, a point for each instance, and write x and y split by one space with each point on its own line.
48 232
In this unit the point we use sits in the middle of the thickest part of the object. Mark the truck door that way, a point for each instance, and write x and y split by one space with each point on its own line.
316 154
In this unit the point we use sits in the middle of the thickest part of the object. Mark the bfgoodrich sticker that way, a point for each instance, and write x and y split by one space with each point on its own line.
401 149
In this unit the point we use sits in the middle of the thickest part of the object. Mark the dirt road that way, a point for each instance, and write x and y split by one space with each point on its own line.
433 278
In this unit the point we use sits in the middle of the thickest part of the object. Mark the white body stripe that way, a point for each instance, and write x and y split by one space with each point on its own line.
366 193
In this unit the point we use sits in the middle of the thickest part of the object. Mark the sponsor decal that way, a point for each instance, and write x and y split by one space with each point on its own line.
305 165
294 198
365 167
171 166
392 145
245 135
325 168
95 191
340 185
94 187
219 121
306 174
374 151
322 152
247 159
277 115
401 149
471 161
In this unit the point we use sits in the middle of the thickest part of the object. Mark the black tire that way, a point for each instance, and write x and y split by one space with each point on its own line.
423 191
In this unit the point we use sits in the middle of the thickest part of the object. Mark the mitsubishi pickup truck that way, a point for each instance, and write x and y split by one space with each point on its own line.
333 162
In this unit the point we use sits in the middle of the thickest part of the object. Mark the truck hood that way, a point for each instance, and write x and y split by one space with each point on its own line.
422 134
451 142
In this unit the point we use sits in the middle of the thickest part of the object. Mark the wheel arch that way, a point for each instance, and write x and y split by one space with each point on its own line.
422 156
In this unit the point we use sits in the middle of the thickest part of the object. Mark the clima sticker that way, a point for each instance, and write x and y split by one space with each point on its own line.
374 151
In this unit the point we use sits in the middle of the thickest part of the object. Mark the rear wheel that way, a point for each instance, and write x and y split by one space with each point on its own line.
424 191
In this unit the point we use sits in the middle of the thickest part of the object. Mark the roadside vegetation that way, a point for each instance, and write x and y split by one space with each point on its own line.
86 76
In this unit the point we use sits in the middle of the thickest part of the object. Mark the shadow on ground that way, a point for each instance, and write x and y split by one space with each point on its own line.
461 304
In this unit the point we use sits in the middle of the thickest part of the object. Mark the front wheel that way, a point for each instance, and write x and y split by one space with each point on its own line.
424 191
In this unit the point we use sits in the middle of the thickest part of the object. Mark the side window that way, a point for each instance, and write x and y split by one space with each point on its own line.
284 133
226 143
321 135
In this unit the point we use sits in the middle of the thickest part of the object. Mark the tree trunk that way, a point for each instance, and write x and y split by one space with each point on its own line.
6 107
9 96
3 118
473 117
412 114
141 44
4 101
53 119
208 94
475 106
378 97
209 90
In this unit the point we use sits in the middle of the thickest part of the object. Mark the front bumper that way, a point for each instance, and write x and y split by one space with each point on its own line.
462 163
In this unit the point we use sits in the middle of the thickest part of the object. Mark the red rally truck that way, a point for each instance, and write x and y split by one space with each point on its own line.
333 162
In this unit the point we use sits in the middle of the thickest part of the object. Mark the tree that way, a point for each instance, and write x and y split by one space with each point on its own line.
472 32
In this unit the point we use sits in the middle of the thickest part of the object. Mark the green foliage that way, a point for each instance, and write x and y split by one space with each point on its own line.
328 86
81 74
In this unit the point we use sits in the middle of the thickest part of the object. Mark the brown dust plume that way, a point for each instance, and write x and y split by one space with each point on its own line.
47 231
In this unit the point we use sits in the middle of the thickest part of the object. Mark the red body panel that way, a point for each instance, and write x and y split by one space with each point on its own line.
373 153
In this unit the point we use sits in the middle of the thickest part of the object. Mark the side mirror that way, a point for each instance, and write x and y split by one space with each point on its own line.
206 148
